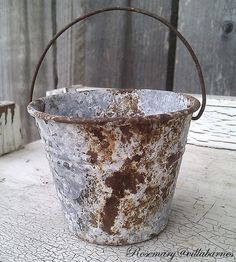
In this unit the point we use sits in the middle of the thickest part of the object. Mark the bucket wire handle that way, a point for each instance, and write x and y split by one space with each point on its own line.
136 10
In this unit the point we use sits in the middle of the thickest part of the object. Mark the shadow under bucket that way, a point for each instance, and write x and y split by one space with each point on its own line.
115 157
115 154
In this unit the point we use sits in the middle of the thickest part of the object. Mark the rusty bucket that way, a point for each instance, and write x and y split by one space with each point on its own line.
115 154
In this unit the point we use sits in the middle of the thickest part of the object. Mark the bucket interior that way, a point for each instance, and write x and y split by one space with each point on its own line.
100 103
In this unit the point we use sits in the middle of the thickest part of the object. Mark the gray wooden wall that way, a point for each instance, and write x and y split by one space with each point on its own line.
115 49
210 27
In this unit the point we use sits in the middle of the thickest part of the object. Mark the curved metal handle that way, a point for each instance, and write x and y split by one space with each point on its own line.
136 10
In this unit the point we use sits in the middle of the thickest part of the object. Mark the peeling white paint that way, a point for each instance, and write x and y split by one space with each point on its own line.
10 127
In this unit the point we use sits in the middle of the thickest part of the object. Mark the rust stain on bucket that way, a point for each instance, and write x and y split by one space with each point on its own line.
115 157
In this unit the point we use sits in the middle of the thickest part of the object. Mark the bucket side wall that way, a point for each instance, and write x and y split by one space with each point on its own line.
115 182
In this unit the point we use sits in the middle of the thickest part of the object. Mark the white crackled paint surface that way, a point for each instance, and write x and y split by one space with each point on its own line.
32 226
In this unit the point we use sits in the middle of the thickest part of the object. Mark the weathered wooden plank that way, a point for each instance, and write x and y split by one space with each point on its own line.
10 127
105 38
130 49
201 22
70 47
146 47
73 88
217 126
25 30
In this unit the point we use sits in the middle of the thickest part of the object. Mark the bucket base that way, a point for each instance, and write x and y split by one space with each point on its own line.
147 231
122 242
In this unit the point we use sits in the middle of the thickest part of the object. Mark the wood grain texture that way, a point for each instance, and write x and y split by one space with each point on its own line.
70 47
217 126
146 47
130 48
201 23
25 30
104 50
115 49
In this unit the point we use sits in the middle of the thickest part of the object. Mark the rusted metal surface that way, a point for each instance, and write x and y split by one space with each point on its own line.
115 154
115 157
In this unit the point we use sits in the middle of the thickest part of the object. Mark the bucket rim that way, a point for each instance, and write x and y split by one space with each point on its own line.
194 105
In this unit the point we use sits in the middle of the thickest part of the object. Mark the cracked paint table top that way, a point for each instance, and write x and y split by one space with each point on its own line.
202 221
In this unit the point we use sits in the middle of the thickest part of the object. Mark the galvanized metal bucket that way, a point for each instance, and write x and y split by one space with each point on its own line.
115 154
